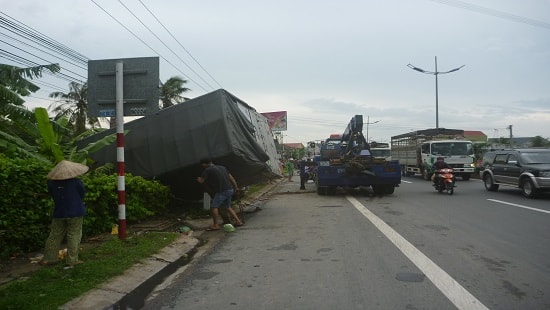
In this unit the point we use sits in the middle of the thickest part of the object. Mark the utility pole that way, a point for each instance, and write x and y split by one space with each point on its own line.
510 142
436 73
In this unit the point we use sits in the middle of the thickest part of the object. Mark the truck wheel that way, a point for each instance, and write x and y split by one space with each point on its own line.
389 189
489 184
321 190
466 176
528 189
378 189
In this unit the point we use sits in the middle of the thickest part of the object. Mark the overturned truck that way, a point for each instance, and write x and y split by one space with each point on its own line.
168 145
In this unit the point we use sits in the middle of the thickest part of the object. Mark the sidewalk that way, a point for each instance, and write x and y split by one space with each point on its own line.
160 266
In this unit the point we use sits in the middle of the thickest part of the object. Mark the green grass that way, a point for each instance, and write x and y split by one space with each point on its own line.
53 286
254 188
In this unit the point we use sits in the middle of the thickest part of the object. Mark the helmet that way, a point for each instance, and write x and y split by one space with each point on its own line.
440 158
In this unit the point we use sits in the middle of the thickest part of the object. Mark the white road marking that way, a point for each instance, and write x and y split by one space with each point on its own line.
519 206
403 181
457 294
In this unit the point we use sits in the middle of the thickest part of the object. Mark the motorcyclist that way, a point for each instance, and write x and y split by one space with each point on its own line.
439 164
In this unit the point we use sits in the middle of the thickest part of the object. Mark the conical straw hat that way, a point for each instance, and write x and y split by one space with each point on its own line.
67 170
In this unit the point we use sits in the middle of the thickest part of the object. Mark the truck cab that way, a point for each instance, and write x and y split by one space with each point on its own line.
459 154
380 150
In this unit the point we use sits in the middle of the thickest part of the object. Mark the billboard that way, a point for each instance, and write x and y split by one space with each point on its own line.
276 120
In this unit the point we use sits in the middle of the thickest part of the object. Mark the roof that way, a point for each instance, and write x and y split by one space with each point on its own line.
430 133
294 145
474 133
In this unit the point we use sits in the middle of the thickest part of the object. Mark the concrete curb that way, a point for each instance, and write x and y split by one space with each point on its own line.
115 289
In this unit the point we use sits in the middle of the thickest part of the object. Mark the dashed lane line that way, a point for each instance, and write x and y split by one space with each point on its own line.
519 206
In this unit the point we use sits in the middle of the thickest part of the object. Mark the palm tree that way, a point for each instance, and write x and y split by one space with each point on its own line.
171 90
14 83
17 124
74 106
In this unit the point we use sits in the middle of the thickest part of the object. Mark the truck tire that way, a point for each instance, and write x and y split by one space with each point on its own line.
466 176
378 190
389 189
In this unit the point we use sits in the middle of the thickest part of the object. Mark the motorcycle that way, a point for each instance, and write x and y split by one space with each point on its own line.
444 180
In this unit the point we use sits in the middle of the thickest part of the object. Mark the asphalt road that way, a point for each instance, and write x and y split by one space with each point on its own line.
415 249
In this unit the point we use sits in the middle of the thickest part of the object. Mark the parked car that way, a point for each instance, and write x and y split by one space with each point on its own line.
528 169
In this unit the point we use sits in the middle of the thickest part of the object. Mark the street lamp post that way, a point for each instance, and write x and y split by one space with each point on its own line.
368 127
436 73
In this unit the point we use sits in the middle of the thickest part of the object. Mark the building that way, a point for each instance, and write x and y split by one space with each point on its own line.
475 136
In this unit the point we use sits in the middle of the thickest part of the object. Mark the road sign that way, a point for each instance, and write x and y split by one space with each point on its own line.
141 86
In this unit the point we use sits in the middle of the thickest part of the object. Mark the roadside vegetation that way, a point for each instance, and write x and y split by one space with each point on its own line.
32 142
53 286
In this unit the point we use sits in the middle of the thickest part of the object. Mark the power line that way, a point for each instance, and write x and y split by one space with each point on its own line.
188 53
141 40
28 63
47 61
38 41
30 34
500 14
165 45
59 58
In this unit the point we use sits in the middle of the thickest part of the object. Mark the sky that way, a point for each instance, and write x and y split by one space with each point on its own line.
321 61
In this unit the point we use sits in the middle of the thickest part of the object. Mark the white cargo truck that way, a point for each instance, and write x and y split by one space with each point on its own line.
417 151
380 149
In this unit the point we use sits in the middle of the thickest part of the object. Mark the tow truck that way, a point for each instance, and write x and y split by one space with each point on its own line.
346 162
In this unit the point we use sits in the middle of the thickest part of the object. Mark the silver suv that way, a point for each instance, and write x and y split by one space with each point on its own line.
528 169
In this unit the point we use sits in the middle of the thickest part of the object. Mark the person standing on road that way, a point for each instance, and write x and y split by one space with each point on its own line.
222 183
290 169
68 193
303 174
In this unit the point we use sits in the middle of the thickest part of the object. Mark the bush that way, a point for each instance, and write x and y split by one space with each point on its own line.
26 207
144 199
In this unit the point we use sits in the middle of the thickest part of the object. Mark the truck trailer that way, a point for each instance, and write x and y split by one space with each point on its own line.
417 151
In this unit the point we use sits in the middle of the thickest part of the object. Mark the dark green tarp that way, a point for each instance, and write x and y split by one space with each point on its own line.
169 144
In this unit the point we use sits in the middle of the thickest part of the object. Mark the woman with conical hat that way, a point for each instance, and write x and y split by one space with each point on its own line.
67 191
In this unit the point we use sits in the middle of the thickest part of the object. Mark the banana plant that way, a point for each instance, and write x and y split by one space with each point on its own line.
53 147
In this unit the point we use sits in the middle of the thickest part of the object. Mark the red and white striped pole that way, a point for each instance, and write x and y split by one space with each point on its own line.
121 185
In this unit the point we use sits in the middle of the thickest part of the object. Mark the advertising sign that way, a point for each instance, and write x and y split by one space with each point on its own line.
277 120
